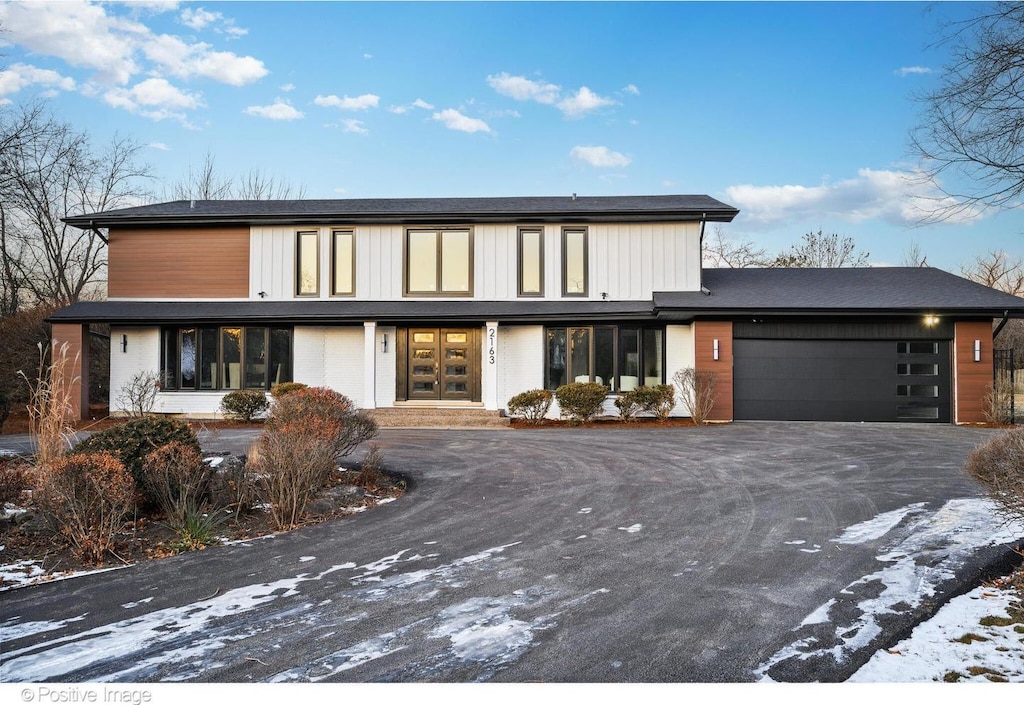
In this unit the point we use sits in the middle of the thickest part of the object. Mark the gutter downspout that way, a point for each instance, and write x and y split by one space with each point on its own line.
1006 319
96 230
700 254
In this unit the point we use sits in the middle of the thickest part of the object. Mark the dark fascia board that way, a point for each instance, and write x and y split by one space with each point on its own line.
385 219
682 314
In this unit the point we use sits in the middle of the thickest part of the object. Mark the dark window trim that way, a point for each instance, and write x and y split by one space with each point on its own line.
616 343
298 263
519 272
586 262
217 377
406 291
334 243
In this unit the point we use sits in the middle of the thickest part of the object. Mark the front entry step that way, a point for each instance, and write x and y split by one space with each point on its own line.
416 417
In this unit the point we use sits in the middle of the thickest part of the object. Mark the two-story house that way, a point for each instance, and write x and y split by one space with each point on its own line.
468 301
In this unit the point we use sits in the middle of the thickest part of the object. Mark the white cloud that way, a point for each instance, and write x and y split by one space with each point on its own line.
583 102
288 87
367 56
904 71
159 145
631 89
454 120
897 197
402 109
199 18
107 39
154 98
522 88
341 191
363 102
353 125
280 110
601 157
20 76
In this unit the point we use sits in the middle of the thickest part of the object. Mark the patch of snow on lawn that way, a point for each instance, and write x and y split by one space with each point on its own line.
878 527
933 547
631 529
22 573
939 647
213 462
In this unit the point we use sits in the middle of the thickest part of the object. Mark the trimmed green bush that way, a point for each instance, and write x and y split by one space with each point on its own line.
244 405
279 390
532 405
581 401
131 442
664 398
629 404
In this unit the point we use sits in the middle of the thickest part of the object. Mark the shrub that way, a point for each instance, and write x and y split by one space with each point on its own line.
697 389
307 431
998 464
349 426
198 530
997 402
657 400
294 461
532 405
14 479
133 440
5 407
137 396
279 390
581 401
178 480
87 497
370 474
233 484
245 404
629 404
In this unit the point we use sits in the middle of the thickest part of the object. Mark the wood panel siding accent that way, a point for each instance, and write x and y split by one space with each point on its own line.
201 263
71 364
704 335
971 379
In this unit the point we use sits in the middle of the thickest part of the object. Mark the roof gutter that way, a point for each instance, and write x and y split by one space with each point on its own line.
700 252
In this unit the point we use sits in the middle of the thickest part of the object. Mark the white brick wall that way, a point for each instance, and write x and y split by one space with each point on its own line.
520 362
343 361
386 367
143 355
678 355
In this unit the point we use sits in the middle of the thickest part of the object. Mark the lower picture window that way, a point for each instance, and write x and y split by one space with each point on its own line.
619 357
228 357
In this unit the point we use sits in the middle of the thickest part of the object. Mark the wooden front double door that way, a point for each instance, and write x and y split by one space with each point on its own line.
440 364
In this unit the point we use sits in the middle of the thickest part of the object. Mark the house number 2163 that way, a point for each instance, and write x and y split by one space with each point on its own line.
492 336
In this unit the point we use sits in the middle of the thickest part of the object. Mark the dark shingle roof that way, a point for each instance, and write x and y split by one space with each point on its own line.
326 312
417 210
853 290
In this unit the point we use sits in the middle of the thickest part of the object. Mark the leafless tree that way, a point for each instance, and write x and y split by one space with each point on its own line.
821 250
997 270
206 183
50 172
971 136
721 251
913 256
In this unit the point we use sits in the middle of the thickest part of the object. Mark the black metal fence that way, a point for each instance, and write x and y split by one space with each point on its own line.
1004 387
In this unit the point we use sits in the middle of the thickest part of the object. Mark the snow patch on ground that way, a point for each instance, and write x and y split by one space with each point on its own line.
22 573
927 552
11 630
132 605
631 529
585 510
213 462
876 528
942 646
483 630
306 559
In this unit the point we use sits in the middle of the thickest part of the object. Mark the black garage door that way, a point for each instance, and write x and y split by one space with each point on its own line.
841 380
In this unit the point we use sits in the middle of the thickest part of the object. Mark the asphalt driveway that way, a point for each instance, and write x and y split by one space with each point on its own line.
729 553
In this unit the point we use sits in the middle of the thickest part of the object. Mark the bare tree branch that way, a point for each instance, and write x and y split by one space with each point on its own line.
207 184
820 250
721 252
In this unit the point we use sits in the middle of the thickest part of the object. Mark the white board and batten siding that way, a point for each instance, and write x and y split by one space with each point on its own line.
625 261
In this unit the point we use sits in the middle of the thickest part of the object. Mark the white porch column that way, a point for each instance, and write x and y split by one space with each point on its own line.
489 374
370 364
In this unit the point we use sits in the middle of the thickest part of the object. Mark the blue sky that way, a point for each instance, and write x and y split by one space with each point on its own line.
796 113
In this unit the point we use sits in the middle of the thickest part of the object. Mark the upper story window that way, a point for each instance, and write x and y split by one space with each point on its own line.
439 262
574 262
307 263
531 262
343 263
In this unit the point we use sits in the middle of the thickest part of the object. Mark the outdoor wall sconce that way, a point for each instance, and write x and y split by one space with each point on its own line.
383 342
931 320
977 351
715 349
124 343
